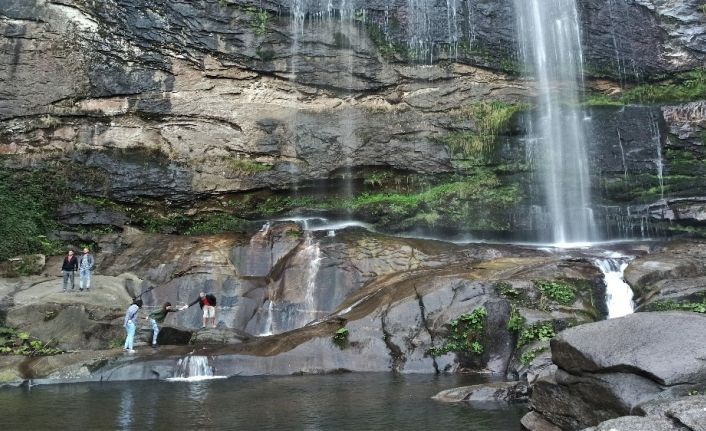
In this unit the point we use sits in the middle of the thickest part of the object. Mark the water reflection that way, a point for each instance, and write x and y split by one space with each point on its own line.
126 409
348 401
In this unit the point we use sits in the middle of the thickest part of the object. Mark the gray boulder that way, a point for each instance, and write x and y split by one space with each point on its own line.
612 368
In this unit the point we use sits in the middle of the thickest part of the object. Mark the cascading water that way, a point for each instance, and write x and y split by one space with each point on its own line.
194 368
618 292
269 319
419 39
312 253
550 44
659 163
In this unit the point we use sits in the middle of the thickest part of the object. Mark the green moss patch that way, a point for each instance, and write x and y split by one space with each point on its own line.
682 87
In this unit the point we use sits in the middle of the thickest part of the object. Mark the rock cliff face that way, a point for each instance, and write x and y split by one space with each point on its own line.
178 106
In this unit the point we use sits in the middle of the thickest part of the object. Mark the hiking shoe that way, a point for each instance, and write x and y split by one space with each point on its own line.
130 350
154 346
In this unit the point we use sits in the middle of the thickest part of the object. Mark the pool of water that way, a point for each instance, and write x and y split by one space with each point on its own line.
331 402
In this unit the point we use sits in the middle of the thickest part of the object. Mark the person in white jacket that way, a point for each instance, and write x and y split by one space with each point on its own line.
85 266
130 324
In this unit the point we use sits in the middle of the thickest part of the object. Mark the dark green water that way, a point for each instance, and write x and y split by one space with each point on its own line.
333 402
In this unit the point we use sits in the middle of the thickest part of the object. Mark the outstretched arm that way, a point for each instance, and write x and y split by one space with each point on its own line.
189 305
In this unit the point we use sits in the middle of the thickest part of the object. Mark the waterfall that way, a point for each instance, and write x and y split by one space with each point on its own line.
618 292
312 254
269 325
659 163
452 27
194 368
419 39
550 45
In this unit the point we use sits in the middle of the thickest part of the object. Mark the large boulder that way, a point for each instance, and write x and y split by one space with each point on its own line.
673 274
611 368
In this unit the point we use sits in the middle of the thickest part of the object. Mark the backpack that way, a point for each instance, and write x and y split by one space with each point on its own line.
211 299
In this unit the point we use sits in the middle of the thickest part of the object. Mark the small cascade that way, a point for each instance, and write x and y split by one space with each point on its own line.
618 292
312 254
269 320
194 368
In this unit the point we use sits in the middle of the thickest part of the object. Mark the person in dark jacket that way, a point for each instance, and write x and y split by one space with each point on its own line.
207 302
69 268
158 316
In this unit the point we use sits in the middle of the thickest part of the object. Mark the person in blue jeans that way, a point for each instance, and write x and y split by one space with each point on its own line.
158 316
130 325
69 268
85 266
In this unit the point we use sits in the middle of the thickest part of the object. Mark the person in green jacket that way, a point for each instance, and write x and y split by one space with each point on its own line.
158 316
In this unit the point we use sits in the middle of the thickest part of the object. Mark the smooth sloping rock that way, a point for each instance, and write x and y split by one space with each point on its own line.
642 343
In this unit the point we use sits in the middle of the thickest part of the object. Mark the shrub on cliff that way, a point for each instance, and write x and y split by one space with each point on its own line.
27 204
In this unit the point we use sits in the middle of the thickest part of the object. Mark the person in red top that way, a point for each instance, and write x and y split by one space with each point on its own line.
207 302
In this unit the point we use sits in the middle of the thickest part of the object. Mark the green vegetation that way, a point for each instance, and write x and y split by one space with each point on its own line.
491 56
467 202
102 203
682 87
536 332
528 356
28 202
490 119
116 343
377 179
505 289
13 342
560 291
668 305
217 223
516 322
25 265
465 334
247 166
389 49
340 338
259 21
686 171
163 224
272 205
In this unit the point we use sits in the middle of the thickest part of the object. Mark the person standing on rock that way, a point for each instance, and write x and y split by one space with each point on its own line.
158 316
130 324
207 302
69 268
85 266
